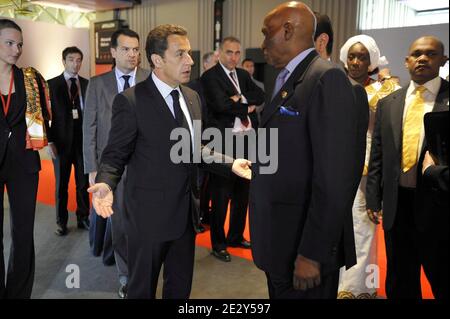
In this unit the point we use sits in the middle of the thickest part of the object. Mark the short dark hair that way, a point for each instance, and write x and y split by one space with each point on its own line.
247 60
70 50
229 39
127 32
9 24
324 26
157 39
207 56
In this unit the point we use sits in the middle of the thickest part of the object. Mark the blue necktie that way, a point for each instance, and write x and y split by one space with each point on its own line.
126 84
281 79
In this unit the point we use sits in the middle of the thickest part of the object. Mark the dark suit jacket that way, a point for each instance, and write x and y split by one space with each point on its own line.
197 86
303 208
97 113
437 179
15 124
362 109
62 119
159 194
386 153
218 88
362 104
432 215
433 204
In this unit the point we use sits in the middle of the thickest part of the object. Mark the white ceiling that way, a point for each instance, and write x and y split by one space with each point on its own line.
421 5
85 5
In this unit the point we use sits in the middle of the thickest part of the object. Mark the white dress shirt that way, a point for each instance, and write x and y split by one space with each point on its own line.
235 82
121 81
165 91
238 127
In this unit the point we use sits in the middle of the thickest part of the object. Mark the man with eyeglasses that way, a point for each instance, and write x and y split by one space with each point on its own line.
96 125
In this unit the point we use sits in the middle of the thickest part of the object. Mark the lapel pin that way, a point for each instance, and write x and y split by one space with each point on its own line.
284 94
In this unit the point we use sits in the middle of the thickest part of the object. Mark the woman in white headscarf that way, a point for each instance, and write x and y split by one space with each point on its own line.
361 57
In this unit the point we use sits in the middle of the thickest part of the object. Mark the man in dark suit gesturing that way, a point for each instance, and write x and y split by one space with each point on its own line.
161 195
67 93
300 216
393 181
231 98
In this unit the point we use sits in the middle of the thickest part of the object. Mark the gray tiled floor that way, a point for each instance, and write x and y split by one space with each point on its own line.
212 278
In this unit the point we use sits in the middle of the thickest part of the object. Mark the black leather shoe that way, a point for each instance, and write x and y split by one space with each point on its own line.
243 244
123 291
61 230
222 255
83 224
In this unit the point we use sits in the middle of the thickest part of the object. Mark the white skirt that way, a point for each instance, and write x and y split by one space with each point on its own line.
357 282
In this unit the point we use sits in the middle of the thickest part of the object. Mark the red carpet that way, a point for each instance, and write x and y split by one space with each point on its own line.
46 195
46 189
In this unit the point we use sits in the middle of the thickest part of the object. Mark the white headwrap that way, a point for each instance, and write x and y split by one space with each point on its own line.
375 59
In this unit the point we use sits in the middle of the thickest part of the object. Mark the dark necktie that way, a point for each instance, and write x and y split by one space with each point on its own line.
74 92
127 84
233 77
75 97
177 107
244 120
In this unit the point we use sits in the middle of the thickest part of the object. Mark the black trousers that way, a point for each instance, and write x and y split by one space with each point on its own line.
223 190
403 251
281 287
100 237
22 192
146 258
63 166
205 197
434 255
119 237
